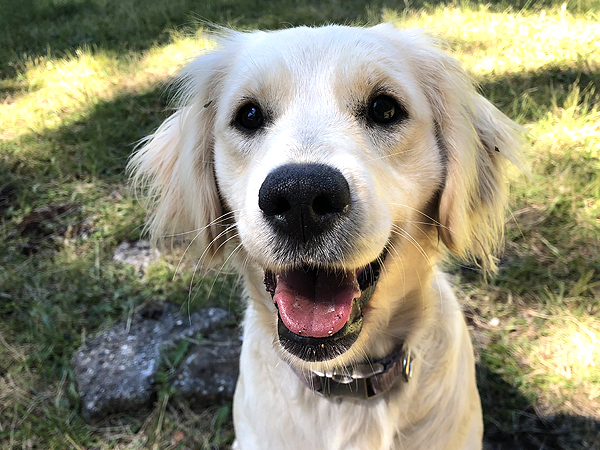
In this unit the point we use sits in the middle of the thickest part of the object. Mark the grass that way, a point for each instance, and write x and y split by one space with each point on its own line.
82 81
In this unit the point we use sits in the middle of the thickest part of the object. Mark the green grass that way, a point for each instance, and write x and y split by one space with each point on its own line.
82 81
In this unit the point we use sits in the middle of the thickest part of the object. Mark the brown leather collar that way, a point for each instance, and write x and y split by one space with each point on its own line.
361 381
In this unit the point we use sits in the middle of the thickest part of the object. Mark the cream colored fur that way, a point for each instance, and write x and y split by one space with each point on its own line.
434 183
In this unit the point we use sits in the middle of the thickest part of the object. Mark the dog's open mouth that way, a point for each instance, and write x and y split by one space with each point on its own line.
320 310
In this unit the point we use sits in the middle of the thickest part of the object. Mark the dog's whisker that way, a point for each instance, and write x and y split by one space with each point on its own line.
184 254
230 238
403 233
418 211
192 242
423 232
216 239
399 260
191 290
200 259
232 291
431 264
407 235
219 220
220 270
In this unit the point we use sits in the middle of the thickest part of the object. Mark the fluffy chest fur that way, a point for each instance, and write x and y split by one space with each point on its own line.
438 408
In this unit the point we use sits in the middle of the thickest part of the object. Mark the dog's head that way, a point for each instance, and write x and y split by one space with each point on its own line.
336 160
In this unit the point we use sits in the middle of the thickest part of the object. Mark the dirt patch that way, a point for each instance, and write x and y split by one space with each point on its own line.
48 225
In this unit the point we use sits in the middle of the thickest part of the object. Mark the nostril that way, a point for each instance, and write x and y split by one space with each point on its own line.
322 206
281 206
274 205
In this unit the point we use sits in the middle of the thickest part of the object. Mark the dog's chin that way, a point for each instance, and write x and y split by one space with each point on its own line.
320 310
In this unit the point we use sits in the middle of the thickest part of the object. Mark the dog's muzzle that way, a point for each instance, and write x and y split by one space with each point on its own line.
319 305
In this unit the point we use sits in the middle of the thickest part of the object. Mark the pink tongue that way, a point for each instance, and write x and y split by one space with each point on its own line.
315 303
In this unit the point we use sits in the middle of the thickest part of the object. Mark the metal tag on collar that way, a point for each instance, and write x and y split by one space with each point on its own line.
367 370
359 371
333 389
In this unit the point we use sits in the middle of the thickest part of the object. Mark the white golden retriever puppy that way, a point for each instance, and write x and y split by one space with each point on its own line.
333 166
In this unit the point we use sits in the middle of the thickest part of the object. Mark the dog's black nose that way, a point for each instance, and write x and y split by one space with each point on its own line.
304 200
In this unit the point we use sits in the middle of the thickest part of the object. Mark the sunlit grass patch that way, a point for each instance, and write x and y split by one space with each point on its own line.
566 359
547 348
551 270
54 92
568 149
491 42
557 220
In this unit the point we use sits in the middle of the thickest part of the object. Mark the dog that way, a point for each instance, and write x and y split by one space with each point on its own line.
334 167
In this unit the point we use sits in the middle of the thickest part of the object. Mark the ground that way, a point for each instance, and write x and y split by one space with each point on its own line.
81 81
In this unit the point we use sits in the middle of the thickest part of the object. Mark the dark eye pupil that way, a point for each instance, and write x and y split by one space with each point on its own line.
384 109
250 117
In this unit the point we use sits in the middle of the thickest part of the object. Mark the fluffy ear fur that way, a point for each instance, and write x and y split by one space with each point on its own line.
477 141
473 202
174 167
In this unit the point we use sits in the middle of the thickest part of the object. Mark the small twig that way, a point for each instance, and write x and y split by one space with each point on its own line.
72 442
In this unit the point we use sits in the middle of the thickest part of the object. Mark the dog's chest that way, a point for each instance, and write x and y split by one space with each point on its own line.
275 410
292 417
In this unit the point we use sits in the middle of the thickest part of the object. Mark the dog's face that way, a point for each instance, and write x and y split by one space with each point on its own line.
323 144
337 160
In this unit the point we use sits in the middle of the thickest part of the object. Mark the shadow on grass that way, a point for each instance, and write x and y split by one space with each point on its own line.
41 167
511 422
99 144
526 95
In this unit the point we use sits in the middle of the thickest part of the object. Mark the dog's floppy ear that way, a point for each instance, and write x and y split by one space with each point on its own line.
479 141
476 140
174 166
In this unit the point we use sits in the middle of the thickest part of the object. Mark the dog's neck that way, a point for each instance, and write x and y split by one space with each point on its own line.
361 381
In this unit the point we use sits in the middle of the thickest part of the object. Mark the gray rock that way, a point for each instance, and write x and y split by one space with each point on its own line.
209 372
137 254
115 372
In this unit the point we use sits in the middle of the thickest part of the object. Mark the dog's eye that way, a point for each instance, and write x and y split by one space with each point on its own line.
250 117
384 110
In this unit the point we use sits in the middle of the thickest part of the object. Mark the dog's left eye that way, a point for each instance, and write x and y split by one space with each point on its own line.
384 109
250 117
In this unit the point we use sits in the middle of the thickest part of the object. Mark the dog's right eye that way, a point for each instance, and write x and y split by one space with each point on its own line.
384 110
250 117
